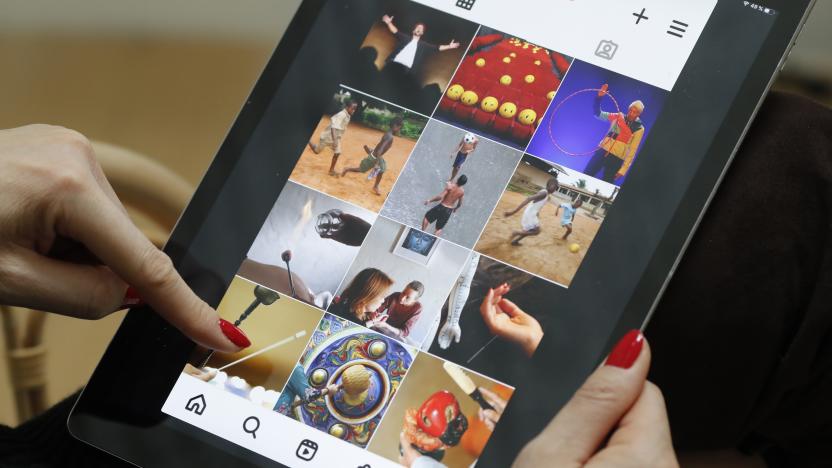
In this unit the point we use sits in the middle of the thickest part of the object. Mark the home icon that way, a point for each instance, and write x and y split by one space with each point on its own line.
196 405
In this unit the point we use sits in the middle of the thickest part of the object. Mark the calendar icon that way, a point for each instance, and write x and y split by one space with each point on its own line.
466 4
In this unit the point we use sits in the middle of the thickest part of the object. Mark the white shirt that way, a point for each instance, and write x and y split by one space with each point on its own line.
340 120
407 55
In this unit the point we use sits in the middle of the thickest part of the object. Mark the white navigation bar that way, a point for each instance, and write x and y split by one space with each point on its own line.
648 40
261 430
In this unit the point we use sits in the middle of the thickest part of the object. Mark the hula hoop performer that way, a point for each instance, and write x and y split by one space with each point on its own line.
618 148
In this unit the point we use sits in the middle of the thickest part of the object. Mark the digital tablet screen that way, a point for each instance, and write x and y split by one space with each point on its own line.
460 182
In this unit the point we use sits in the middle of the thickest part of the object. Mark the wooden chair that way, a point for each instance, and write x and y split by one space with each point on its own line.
154 197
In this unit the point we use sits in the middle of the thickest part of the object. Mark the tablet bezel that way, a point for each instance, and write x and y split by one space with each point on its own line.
124 417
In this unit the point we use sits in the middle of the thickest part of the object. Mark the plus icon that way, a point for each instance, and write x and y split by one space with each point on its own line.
641 16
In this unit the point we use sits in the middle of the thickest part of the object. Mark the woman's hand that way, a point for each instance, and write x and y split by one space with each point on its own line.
67 245
616 419
504 319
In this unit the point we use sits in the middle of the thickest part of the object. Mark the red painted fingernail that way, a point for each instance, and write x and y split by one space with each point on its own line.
627 350
234 334
131 299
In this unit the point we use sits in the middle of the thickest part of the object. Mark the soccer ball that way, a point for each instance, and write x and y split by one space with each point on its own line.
574 248
469 138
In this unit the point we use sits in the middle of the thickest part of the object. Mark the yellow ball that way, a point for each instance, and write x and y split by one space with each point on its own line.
508 109
338 430
319 377
489 104
480 62
469 98
550 95
455 92
574 248
527 117
506 59
537 62
529 79
505 79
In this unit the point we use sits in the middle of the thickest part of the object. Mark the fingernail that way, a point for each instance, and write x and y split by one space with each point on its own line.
131 299
627 350
234 334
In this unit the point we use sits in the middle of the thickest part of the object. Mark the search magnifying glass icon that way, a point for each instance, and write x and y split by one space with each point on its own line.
251 425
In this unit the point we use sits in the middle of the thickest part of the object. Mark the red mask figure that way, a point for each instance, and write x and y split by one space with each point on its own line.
440 416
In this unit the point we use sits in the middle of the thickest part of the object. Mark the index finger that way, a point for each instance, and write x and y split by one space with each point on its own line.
88 216
487 307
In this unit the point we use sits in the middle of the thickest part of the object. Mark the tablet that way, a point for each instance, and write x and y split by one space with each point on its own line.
432 210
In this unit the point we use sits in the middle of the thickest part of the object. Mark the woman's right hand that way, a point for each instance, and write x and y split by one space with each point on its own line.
504 319
616 419
68 246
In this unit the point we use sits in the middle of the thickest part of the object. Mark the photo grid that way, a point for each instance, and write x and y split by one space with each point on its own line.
452 187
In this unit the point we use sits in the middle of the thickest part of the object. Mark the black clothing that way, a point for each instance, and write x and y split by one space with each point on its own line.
606 163
440 214
742 339
423 50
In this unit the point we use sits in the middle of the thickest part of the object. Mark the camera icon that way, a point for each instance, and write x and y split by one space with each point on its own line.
606 50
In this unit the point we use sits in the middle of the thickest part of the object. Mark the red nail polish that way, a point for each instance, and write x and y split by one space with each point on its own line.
234 334
627 350
131 299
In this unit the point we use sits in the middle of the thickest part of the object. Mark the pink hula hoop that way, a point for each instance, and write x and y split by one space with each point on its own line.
557 109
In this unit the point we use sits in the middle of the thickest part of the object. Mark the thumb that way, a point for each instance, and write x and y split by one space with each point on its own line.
585 422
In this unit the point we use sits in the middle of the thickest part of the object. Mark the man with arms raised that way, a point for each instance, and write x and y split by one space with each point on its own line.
411 50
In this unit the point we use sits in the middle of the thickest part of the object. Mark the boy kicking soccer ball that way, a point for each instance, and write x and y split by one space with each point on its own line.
332 134
530 223
375 162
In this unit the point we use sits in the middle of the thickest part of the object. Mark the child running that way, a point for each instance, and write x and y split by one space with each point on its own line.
450 200
332 134
464 149
530 223
569 210
375 157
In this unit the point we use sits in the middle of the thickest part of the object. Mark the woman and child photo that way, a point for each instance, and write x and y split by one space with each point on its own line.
395 290
367 300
